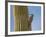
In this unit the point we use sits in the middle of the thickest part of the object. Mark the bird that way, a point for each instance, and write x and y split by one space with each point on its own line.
30 19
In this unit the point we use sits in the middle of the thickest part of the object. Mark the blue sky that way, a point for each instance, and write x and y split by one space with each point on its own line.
36 23
36 11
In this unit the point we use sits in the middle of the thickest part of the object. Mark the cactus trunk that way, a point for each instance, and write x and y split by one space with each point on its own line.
21 18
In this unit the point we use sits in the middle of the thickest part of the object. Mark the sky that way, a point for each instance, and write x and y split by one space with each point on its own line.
36 23
36 11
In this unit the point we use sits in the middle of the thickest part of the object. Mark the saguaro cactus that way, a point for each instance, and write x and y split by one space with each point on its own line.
21 18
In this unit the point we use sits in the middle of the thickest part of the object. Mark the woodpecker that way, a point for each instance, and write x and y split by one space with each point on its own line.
30 21
31 18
